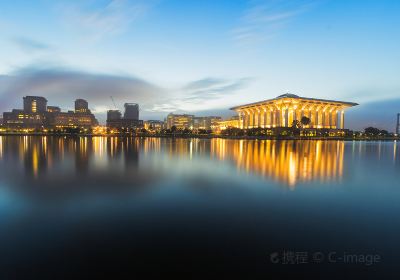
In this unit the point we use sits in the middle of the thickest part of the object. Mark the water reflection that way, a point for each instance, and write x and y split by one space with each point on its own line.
101 160
289 162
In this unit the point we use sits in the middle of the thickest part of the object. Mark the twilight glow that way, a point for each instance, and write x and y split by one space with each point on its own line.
202 56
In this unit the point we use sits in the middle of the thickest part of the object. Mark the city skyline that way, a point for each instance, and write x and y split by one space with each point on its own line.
245 51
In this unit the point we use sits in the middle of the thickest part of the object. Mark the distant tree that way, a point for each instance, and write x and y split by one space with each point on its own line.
187 131
305 121
384 133
372 131
173 129
143 130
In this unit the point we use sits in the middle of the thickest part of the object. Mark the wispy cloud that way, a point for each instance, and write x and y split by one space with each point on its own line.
29 45
264 18
197 95
63 86
98 19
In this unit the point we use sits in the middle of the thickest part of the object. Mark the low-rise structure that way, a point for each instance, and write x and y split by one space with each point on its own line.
206 123
283 110
232 122
154 125
180 121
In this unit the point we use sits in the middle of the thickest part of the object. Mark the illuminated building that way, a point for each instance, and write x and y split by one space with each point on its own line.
81 106
53 109
206 123
180 121
35 104
286 108
153 125
131 111
82 117
398 124
37 115
224 124
19 119
72 119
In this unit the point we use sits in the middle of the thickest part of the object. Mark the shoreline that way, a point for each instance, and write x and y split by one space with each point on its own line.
191 136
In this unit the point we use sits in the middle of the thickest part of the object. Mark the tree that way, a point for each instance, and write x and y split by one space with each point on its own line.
372 131
173 129
296 124
305 121
187 131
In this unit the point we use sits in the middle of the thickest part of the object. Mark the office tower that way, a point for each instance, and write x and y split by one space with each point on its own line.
131 111
81 106
35 104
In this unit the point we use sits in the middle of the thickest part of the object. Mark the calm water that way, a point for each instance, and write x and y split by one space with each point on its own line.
190 204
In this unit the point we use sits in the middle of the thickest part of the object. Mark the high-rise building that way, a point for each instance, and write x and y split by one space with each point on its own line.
398 124
114 115
115 120
81 106
37 115
35 104
131 111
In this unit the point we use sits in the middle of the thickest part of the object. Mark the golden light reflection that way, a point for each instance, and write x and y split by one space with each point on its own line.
290 162
35 160
1 146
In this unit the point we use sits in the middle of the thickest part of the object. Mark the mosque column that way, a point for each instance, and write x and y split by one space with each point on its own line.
285 117
334 119
342 119
241 120
316 117
246 119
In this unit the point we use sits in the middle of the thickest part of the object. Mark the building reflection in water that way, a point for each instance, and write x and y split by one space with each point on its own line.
116 160
70 162
288 162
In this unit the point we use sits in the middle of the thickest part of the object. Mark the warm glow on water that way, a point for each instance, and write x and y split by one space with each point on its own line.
200 201
288 163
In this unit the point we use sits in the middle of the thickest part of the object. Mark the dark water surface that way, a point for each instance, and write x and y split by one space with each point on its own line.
233 206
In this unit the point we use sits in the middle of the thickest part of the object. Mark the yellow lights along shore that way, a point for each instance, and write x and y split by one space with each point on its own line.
286 108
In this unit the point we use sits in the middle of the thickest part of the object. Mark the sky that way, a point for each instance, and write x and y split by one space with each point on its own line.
202 56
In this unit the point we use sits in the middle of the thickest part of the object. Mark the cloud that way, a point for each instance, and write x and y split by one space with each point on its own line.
263 19
98 19
200 94
29 45
62 86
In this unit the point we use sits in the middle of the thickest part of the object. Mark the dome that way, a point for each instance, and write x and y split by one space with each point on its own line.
288 95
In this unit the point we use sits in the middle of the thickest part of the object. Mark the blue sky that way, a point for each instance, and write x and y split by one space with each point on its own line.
202 56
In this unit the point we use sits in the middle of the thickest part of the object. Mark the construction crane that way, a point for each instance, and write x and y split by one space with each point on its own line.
112 99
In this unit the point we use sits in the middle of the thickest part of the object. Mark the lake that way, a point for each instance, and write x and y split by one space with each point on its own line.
241 207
